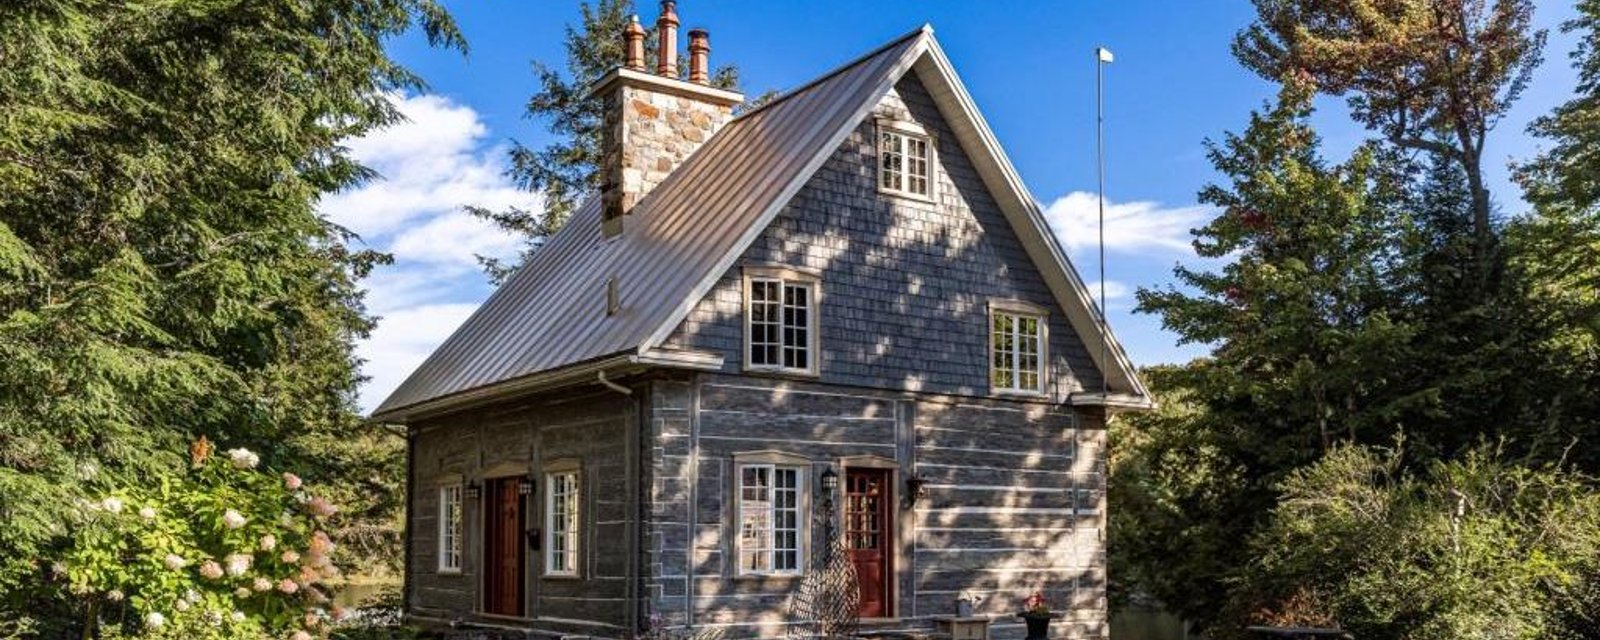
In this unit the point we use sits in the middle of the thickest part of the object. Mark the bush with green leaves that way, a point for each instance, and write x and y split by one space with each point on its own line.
224 549
1478 547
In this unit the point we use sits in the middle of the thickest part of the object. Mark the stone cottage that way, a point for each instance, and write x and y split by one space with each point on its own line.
839 312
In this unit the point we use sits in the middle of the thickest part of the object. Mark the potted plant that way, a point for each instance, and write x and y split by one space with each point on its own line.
1038 616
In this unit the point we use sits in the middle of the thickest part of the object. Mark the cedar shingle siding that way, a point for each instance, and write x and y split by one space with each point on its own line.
905 283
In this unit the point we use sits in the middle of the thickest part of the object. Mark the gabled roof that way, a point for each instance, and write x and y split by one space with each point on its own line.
682 237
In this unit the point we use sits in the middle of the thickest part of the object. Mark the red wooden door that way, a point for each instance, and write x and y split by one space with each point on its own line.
503 557
869 534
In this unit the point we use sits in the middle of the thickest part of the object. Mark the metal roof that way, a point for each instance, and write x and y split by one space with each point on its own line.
551 313
690 230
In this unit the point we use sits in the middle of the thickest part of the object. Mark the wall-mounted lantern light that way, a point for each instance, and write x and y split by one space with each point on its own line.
830 482
525 485
473 491
916 488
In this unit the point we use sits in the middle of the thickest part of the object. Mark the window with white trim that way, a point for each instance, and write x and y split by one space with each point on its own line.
904 159
561 523
1017 352
450 528
769 519
780 324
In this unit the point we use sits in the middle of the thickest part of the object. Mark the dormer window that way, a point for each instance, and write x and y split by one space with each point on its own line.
905 159
1016 348
780 321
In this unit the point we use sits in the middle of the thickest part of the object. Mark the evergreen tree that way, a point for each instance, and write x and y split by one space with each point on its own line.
1307 353
163 270
565 171
1428 75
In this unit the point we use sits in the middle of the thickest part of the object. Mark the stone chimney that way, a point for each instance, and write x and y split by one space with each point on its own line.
654 121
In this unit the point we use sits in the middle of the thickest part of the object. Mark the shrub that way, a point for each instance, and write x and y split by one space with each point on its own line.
223 549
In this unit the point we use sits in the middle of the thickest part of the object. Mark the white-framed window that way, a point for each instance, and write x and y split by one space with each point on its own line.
450 528
770 527
561 523
905 160
781 321
1016 346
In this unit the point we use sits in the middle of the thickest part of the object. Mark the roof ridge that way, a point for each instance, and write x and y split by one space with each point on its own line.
926 28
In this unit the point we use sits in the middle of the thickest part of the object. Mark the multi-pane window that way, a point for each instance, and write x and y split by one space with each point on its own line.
561 521
769 519
780 315
1016 343
903 162
450 528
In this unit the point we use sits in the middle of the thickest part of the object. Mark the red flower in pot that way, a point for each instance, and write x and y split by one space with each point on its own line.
1037 615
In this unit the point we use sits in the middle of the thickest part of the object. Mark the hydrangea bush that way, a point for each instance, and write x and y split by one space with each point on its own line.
226 550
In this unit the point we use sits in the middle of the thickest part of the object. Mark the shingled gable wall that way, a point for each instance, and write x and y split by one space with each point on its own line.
1016 487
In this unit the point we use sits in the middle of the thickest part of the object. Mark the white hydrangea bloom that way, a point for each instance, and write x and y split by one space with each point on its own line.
112 504
243 458
155 620
147 513
174 561
233 519
237 564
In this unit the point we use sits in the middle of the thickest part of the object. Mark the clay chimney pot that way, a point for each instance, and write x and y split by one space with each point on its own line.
699 52
633 44
667 48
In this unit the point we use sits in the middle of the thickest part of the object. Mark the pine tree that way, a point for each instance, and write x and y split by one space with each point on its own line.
1433 76
163 270
1307 354
564 171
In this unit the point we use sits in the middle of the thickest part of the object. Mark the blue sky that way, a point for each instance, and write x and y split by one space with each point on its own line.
1029 66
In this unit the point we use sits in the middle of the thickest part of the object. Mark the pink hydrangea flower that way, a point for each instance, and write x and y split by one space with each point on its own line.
262 584
300 635
320 544
321 508
268 542
291 481
210 570
288 586
289 557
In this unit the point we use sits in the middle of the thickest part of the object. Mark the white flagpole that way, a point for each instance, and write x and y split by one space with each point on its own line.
1102 57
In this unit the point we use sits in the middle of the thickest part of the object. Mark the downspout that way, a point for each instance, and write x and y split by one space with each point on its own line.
601 376
411 470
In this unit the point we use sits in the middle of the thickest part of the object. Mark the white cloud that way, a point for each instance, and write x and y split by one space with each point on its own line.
1114 289
402 341
431 165
1139 226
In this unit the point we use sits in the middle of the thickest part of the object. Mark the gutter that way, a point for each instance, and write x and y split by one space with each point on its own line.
570 375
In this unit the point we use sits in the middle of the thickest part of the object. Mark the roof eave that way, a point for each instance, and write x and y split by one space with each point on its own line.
591 371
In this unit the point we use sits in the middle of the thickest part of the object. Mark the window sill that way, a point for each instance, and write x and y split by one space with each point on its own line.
752 577
906 195
783 372
447 572
1019 393
562 577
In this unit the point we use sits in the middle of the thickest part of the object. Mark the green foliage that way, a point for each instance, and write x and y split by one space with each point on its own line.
163 270
1428 75
1473 548
565 171
222 550
1356 308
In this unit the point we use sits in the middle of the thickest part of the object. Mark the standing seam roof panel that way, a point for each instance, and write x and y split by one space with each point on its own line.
551 312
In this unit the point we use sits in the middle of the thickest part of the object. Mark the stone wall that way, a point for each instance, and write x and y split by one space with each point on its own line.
590 427
1013 502
646 134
